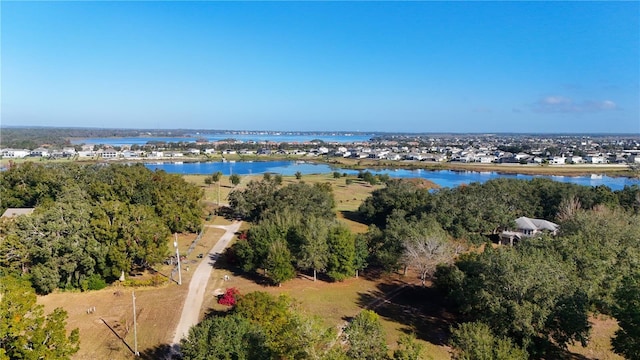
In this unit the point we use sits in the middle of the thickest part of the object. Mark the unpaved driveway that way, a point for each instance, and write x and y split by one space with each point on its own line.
198 284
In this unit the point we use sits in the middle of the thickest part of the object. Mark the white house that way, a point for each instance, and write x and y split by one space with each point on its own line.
86 154
41 152
485 159
528 227
108 154
595 159
557 160
576 160
68 151
14 153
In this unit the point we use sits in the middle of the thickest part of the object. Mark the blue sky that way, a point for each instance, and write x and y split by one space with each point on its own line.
368 66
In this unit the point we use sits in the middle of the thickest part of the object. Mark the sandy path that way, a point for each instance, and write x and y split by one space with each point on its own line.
198 284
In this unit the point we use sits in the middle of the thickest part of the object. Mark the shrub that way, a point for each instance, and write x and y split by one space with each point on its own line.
229 297
96 282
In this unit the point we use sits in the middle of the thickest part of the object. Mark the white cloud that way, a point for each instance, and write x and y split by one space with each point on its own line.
561 104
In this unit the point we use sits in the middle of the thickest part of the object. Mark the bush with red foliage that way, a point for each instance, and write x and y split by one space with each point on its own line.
229 297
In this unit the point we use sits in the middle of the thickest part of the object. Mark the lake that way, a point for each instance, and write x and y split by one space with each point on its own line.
444 178
115 141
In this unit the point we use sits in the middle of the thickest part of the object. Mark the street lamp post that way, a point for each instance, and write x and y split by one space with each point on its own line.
175 244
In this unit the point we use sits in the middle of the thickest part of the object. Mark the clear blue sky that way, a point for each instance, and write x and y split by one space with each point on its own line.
368 66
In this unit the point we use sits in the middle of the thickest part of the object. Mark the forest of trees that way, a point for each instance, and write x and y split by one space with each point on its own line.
91 223
535 297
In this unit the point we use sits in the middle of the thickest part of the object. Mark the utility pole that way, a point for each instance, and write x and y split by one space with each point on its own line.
135 326
175 244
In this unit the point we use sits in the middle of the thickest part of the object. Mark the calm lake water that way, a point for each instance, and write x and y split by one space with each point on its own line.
444 178
245 137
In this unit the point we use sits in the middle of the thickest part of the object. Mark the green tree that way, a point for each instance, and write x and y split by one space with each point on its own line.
289 334
216 176
365 337
312 241
230 337
277 179
298 175
25 332
626 341
235 179
342 253
476 341
408 348
525 293
278 263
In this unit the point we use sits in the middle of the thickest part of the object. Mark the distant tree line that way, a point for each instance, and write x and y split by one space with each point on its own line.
33 137
91 223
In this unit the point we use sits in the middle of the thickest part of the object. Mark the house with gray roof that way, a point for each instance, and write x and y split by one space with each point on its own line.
15 212
528 227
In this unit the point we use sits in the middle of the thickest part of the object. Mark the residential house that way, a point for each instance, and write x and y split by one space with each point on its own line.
595 159
40 152
528 227
14 153
86 154
68 151
108 154
14 212
557 160
576 160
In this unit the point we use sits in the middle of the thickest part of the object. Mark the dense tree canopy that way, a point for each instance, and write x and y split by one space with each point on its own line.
295 228
479 209
25 331
91 221
627 310
526 295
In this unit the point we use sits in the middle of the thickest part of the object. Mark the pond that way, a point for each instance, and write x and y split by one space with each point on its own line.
443 178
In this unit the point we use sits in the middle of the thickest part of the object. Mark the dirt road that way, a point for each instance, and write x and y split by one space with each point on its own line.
198 284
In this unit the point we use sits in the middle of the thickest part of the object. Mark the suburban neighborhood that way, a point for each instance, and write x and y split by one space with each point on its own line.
472 148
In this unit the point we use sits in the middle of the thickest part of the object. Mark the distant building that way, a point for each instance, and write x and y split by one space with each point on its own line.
15 212
14 153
